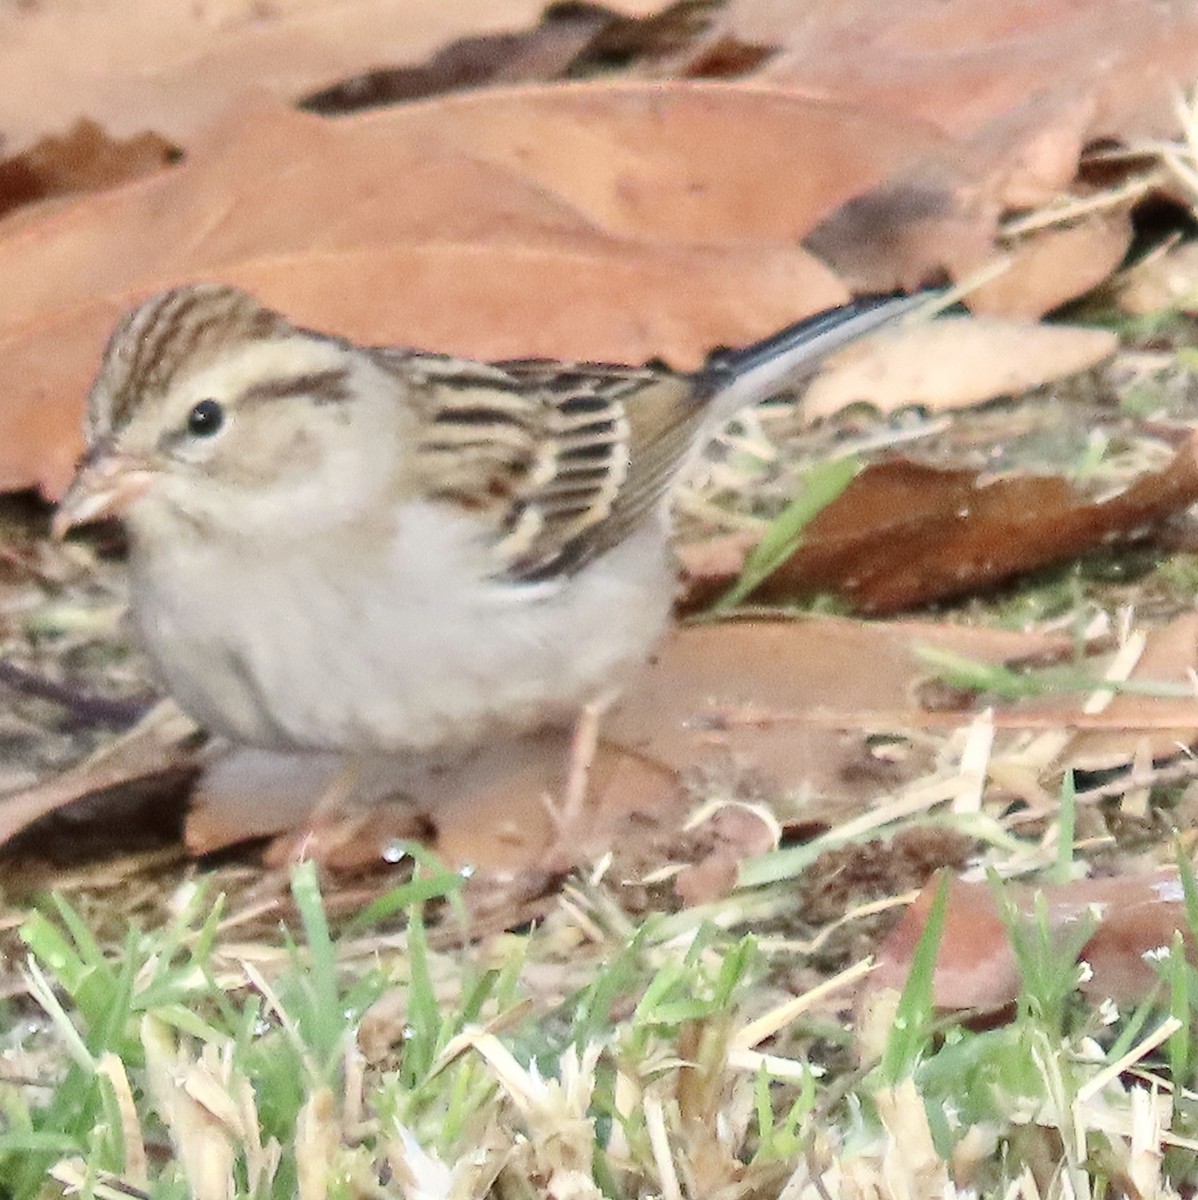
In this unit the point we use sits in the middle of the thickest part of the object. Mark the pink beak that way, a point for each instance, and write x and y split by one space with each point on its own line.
106 485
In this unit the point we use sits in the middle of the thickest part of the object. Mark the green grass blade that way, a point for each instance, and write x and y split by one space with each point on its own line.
822 484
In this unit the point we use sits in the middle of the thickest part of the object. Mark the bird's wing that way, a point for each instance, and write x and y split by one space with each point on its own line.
562 459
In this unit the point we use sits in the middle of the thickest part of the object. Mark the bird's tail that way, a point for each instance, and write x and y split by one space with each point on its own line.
734 379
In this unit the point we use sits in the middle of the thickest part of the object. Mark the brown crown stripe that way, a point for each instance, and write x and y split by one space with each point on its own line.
167 337
140 333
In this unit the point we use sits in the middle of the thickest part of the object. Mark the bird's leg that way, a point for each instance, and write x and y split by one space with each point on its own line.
321 825
583 744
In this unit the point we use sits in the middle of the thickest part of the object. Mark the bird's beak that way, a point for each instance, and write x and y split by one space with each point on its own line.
106 485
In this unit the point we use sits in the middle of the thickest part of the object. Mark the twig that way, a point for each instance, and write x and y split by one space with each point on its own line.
84 710
1174 773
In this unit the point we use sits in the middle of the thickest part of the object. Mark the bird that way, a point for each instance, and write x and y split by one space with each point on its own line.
380 550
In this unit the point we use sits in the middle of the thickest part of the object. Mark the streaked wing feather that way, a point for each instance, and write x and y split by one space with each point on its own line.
543 449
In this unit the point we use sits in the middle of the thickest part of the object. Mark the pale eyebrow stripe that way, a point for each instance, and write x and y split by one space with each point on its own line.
325 387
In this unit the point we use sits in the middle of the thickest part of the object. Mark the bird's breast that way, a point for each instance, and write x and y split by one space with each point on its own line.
386 645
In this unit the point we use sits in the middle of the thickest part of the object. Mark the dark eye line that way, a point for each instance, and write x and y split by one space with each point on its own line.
324 387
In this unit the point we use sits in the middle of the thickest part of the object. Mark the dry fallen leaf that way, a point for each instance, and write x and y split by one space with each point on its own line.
953 362
732 833
1162 281
137 64
1022 88
667 162
963 65
157 744
1054 266
789 702
975 963
902 534
554 49
785 708
83 160
923 221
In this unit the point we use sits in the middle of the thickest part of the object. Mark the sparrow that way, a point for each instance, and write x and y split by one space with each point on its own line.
377 550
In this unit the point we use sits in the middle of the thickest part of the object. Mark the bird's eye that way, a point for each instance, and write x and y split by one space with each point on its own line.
206 418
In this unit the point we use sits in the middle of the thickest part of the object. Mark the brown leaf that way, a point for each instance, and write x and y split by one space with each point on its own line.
664 162
133 64
84 160
1162 281
953 362
672 160
749 691
45 371
571 41
565 296
492 808
258 185
903 534
925 220
1028 155
1054 266
156 745
1021 87
961 65
543 52
975 963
